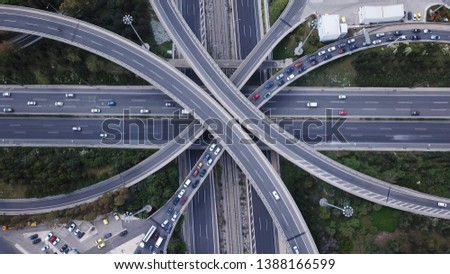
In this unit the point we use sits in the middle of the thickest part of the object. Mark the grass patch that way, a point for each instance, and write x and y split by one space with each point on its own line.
276 7
385 219
8 191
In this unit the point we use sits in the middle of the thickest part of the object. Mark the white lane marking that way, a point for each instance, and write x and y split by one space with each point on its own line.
137 63
401 109
19 132
438 109
118 52
138 100
32 24
402 102
98 44
369 109
425 136
7 20
15 125
371 102
440 102
356 135
53 132
385 128
420 128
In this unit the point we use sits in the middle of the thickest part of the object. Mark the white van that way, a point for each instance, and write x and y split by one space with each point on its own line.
311 104
187 183
441 204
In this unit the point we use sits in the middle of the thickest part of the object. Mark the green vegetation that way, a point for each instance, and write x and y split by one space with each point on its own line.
51 62
40 172
276 7
373 228
176 244
440 15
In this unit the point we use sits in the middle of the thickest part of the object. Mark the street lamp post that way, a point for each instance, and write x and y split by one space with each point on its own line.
128 20
347 211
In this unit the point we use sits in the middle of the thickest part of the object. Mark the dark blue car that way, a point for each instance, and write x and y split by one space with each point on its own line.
269 85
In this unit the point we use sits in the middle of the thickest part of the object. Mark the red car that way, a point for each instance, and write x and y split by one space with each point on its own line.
343 112
195 172
183 201
256 96
299 64
52 239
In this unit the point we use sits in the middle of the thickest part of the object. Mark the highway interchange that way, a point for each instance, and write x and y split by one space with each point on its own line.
424 200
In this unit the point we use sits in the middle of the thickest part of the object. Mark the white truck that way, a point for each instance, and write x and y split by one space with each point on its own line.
159 242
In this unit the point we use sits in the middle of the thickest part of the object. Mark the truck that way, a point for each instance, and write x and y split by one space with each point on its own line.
159 242
184 111
147 236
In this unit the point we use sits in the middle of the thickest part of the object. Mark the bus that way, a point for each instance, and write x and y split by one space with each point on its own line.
159 241
147 236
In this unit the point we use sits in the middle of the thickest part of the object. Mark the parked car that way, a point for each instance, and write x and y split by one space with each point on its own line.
36 241
123 233
34 236
72 227
49 235
409 15
116 216
342 45
56 241
63 248
100 243
45 248
108 235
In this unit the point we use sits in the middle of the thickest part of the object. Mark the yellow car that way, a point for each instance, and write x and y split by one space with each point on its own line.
419 16
105 221
116 216
100 243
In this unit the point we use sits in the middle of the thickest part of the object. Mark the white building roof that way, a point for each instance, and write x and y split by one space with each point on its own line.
379 14
328 27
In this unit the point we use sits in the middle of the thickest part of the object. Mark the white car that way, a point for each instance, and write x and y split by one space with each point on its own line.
76 128
175 216
95 110
217 151
7 109
72 227
45 248
275 195
350 41
31 103
56 241
376 42
181 193
143 111
427 31
59 104
49 235
76 231
290 77
212 147
403 37
378 35
70 95
163 224
209 162
169 104
342 97
441 204
296 251
322 52
103 135
6 94
331 49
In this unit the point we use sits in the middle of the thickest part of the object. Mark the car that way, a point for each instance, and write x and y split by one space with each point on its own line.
70 95
138 251
340 51
416 30
169 104
376 42
391 38
76 231
123 233
402 37
49 235
419 16
415 37
331 49
275 195
183 200
163 224
108 235
52 239
351 41
435 37
56 241
111 103
267 95
195 184
175 216
6 94
414 17
415 113
200 165
105 221
68 249
352 47
397 33
289 70
170 210
168 228
280 83
207 156
45 248
181 193
151 248
59 104
269 85
342 112
427 31
209 162
116 216
290 77
76 128
409 15
342 45
31 103
298 64
212 146
381 34
313 63
296 251
322 52
7 109
312 58
80 234
256 96
195 173
155 235
103 135
280 76
441 204
202 173
96 110
144 111
365 44
342 97
301 69
100 243
216 152
72 227
328 56
63 248
36 241
176 201
34 236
